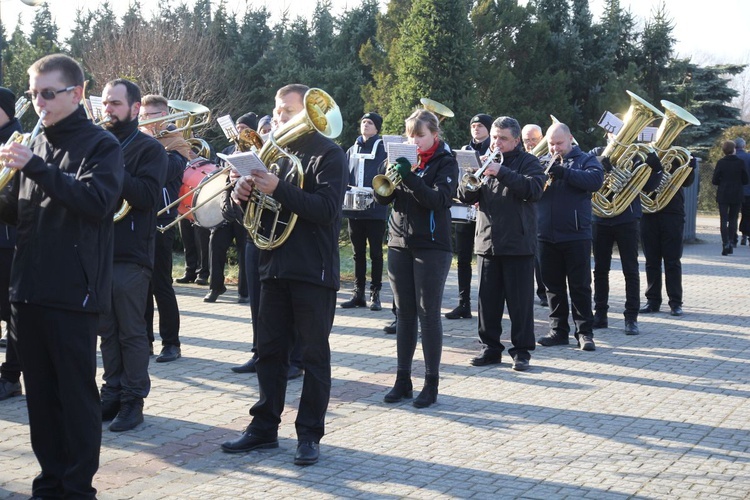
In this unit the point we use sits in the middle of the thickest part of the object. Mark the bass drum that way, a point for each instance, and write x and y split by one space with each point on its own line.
207 201
196 172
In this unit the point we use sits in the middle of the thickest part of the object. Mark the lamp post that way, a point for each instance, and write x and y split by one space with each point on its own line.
30 3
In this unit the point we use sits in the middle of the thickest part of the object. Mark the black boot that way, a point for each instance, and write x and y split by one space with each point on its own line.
375 300
462 311
429 392
402 389
357 300
600 320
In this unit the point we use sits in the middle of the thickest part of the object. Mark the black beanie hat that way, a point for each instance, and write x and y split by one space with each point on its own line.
249 119
8 102
375 118
485 120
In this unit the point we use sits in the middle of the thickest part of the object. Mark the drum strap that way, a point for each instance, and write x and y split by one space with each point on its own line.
361 158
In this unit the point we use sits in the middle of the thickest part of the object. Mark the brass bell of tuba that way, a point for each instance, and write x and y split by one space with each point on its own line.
675 120
629 171
269 224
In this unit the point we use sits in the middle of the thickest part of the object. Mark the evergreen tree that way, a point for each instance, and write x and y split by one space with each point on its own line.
44 30
657 48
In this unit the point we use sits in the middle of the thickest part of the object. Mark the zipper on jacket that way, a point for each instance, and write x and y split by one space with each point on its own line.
575 212
85 277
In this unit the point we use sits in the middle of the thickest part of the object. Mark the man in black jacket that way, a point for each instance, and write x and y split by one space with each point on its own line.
506 244
125 346
299 280
63 203
160 288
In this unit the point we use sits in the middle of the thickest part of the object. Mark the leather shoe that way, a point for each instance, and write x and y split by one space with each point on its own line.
185 278
243 299
676 311
294 372
390 329
308 453
4 342
169 353
201 281
586 343
9 389
487 357
521 365
649 308
600 321
213 295
248 367
129 416
631 327
249 442
550 340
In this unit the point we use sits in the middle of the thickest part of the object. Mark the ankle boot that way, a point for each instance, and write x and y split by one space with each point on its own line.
402 389
429 392
357 300
462 311
375 300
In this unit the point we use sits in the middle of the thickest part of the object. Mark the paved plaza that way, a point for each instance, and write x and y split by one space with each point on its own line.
664 414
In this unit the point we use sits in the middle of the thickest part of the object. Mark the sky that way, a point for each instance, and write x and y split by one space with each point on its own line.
709 33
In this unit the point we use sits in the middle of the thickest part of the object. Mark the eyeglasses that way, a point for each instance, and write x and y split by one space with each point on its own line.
144 114
47 94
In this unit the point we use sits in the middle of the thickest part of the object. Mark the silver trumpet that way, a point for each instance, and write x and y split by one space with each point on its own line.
472 182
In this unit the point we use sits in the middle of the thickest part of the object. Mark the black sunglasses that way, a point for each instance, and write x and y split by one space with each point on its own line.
48 95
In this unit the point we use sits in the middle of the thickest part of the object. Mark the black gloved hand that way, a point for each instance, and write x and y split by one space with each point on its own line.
652 160
693 162
557 172
606 164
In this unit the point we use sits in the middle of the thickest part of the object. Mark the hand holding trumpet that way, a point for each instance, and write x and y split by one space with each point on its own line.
15 155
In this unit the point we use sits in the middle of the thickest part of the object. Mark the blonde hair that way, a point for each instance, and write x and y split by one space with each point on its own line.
422 120
156 100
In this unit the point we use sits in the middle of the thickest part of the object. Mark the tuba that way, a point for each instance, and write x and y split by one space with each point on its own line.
269 225
675 120
629 171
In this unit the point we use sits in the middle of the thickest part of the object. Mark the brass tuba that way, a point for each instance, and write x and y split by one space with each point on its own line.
265 216
675 120
629 171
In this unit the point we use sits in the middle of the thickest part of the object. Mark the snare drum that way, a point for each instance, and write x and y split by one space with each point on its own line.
207 201
195 173
463 214
358 200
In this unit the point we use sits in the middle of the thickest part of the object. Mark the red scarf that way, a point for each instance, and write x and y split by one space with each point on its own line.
425 156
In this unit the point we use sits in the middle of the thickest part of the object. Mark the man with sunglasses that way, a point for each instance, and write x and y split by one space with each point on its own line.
62 201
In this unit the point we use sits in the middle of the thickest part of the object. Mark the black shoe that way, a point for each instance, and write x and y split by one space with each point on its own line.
308 453
248 367
294 372
249 442
600 321
9 389
391 329
543 302
487 357
631 327
151 347
129 416
402 389
726 250
551 339
4 342
462 311
676 311
186 278
521 365
375 300
743 242
429 393
110 409
213 295
169 353
201 281
649 308
357 300
586 343
243 299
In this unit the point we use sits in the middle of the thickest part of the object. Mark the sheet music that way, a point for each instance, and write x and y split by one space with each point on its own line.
387 139
96 106
467 159
245 163
648 134
227 126
610 123
398 150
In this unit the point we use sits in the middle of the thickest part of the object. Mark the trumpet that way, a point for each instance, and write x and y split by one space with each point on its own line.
385 184
7 173
472 182
552 162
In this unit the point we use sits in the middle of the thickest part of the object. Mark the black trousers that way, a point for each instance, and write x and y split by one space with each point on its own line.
11 368
160 289
222 237
195 240
6 259
252 260
507 279
661 239
745 221
626 237
293 313
728 213
361 233
569 261
58 355
464 253
541 292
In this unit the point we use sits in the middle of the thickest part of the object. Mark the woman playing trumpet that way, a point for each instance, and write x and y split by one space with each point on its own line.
419 252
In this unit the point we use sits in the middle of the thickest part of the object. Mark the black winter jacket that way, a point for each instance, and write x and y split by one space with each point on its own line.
506 221
66 196
175 168
730 176
421 216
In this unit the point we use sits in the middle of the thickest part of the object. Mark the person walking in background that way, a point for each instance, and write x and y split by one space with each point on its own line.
729 178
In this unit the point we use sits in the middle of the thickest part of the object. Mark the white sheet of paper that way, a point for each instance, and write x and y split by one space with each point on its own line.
245 163
408 151
227 126
467 159
610 123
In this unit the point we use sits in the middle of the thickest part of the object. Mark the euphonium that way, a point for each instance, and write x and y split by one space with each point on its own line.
629 171
472 182
675 120
265 215
7 173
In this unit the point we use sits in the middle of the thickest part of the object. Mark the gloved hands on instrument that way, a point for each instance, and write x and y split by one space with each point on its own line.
557 172
652 160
